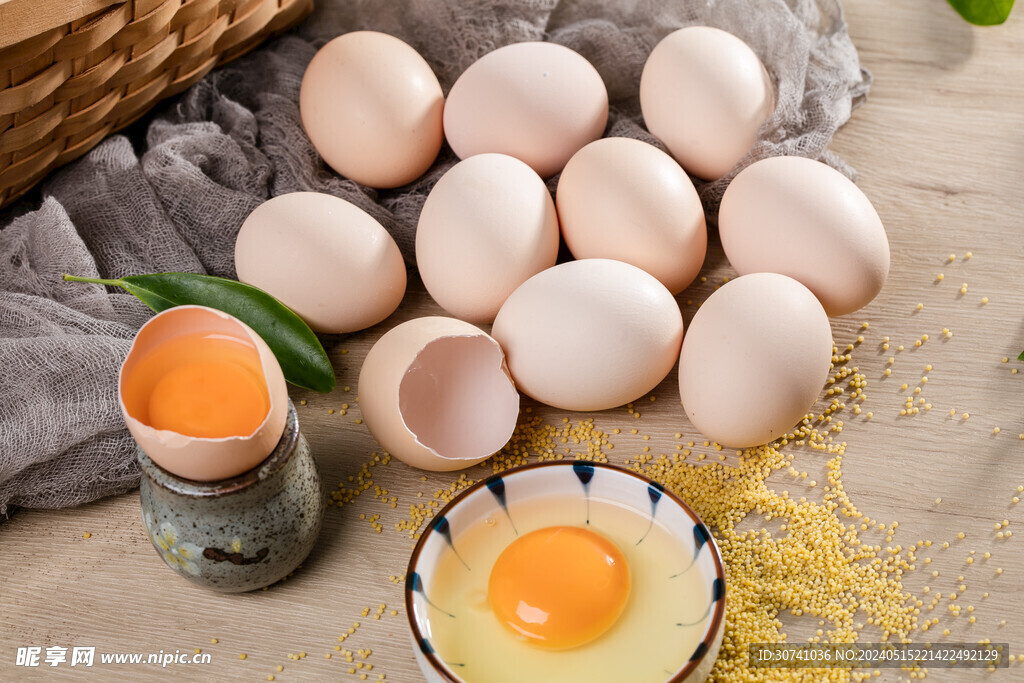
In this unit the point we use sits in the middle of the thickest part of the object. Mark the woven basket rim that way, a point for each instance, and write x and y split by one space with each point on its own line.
25 19
73 83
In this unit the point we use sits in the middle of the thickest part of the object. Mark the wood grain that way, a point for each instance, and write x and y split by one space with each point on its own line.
940 151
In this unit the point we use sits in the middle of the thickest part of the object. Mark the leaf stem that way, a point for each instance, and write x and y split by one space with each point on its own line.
93 280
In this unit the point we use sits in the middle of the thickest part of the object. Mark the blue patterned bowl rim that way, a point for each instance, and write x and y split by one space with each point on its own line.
717 617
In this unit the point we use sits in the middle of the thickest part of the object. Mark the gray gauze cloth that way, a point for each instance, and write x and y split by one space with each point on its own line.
235 139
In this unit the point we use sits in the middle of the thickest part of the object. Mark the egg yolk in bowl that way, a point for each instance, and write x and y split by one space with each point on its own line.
560 586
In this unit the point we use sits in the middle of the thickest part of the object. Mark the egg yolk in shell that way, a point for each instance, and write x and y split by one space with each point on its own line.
199 385
559 587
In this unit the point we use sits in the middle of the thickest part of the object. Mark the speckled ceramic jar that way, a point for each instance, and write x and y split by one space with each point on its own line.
241 533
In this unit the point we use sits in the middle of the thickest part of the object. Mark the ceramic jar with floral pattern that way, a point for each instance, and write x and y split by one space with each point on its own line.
241 533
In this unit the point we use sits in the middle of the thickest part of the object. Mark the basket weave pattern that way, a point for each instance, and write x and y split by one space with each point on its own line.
64 89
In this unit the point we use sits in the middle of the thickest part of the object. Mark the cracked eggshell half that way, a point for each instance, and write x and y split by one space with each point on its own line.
754 361
437 395
168 343
589 334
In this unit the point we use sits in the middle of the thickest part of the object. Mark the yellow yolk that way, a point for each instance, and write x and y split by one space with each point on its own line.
199 385
559 587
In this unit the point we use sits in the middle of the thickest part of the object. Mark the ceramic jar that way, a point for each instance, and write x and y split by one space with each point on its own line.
241 533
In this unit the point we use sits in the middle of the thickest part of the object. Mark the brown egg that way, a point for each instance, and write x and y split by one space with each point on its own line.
372 107
704 93
754 360
538 102
779 202
626 200
487 226
323 257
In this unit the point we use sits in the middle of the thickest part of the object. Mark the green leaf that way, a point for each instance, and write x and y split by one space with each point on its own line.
1021 356
303 360
983 12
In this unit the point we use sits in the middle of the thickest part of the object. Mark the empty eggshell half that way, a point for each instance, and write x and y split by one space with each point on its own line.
780 202
755 358
487 226
589 334
437 395
192 457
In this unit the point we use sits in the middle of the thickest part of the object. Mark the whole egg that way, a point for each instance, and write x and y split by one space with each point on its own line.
755 359
538 102
372 108
487 226
624 199
704 93
589 334
323 257
801 218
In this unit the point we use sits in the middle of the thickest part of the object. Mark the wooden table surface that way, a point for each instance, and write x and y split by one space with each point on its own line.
939 148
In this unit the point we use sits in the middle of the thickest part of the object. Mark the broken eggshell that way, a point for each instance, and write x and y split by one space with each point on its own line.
437 395
199 458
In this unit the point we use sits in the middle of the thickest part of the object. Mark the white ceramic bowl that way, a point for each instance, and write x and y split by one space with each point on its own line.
577 479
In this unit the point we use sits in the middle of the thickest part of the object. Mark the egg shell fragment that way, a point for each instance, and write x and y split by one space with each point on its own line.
372 107
536 101
486 227
624 199
704 93
754 361
196 458
804 219
589 334
437 395
323 257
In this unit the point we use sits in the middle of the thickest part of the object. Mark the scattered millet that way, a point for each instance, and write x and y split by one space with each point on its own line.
816 565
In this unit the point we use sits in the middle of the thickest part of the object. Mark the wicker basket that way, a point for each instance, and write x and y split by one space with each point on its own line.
72 72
